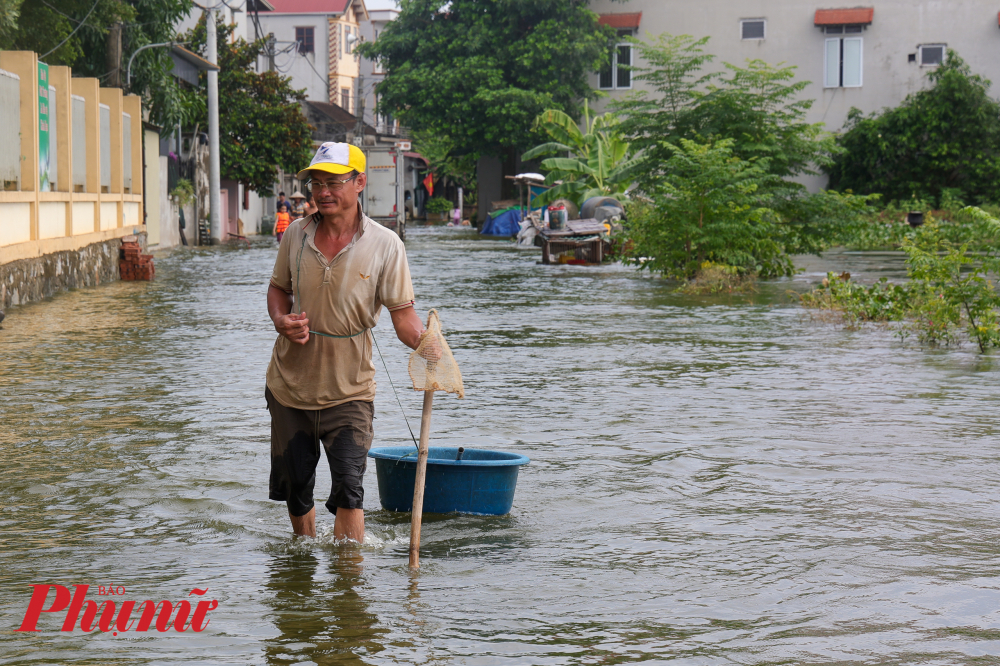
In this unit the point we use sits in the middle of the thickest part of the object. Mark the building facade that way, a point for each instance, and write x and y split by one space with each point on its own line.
314 45
869 57
373 74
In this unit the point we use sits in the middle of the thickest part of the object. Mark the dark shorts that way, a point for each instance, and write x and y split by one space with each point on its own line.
346 433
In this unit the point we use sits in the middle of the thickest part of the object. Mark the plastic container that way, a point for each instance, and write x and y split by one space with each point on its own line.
557 217
481 483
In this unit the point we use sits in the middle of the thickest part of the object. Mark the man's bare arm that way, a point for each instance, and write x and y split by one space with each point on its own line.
295 327
408 326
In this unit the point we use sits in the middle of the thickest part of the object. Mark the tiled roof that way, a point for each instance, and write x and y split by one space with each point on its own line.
309 6
338 115
621 20
853 16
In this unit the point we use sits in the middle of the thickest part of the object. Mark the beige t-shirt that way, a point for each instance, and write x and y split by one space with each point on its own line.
342 297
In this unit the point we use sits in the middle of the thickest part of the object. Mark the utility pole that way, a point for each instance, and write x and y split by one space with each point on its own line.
359 110
270 52
113 55
214 186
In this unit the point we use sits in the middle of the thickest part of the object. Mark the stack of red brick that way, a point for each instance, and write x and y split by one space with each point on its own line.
133 264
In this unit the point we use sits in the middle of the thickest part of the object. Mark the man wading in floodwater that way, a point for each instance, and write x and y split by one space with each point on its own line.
335 270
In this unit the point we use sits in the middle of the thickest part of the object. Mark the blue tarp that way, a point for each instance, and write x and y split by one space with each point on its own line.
506 223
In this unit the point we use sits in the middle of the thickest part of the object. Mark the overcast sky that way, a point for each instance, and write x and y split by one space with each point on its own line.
381 4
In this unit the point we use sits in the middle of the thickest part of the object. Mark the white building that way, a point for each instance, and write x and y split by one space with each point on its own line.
315 42
867 57
238 203
372 72
870 57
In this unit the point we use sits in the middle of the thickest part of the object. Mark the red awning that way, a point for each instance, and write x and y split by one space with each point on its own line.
621 20
854 16
416 156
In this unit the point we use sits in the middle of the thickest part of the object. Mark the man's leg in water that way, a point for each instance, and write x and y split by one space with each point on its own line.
346 433
294 455
350 524
306 525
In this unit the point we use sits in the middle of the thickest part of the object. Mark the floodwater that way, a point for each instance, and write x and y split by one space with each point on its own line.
712 480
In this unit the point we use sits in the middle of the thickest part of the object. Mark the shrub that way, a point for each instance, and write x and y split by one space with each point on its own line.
183 192
944 138
880 302
438 205
705 209
949 290
887 228
719 279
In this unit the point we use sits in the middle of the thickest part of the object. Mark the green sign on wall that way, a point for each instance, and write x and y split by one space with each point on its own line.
44 153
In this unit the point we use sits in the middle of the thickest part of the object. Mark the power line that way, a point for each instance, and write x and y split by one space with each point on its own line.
58 46
296 55
324 78
62 13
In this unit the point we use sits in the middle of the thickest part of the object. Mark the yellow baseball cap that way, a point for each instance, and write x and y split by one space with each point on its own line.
338 158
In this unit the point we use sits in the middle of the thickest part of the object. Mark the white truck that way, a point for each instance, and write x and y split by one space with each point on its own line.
382 198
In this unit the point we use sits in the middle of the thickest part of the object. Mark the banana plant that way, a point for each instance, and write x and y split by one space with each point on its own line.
599 163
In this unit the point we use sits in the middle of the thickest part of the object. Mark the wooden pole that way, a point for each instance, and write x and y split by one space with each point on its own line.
418 484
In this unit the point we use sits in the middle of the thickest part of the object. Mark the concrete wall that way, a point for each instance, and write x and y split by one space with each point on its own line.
47 238
155 187
253 214
898 29
36 278
170 233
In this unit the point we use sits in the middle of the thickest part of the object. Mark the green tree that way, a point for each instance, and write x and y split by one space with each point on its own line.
262 126
757 106
10 12
944 138
759 109
75 33
599 162
444 160
479 71
673 75
705 208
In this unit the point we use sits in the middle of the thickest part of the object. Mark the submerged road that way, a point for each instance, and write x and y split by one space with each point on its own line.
712 480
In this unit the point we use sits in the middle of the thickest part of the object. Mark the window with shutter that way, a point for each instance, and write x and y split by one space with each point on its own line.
752 29
304 39
616 74
932 54
843 62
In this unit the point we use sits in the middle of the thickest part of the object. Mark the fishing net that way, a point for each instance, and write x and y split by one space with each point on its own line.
432 366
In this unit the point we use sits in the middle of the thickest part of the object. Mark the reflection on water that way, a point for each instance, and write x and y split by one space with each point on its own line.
713 479
320 608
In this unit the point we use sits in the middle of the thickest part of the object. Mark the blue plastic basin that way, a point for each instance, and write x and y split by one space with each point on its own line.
481 483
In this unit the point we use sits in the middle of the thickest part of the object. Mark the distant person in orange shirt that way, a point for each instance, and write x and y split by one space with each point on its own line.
281 221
